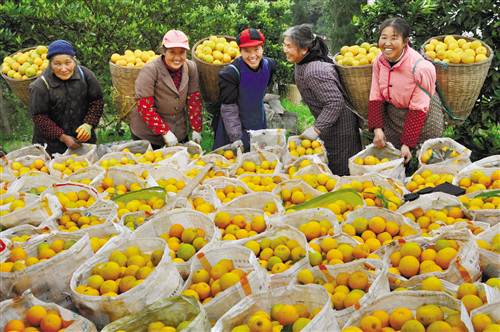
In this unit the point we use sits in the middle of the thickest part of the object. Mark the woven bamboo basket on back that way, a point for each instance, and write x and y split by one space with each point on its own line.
461 83
357 83
20 87
208 73
123 79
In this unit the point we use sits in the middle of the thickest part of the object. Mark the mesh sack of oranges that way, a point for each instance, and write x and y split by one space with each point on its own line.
232 156
364 280
483 205
161 281
304 162
262 182
385 161
227 188
286 239
45 265
257 162
24 208
431 176
226 287
74 196
32 150
443 151
452 256
85 175
64 166
34 183
27 164
286 305
432 309
320 222
180 228
170 179
116 159
489 247
86 150
225 161
377 227
298 147
170 312
474 179
486 318
239 225
118 181
295 192
139 146
203 199
267 202
175 156
23 234
28 311
272 140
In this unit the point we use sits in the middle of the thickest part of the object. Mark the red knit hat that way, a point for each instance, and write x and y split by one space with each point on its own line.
250 38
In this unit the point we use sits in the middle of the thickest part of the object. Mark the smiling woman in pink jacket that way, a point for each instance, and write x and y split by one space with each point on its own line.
404 108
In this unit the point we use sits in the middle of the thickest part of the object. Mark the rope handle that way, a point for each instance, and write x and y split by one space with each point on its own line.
444 105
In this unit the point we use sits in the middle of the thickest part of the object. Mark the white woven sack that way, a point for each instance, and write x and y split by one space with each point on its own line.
88 173
487 257
193 149
237 152
171 311
31 181
271 140
393 169
63 159
215 159
462 159
256 281
139 146
288 159
222 182
492 309
16 309
117 156
49 280
145 214
120 176
318 168
463 267
377 277
296 219
468 172
74 187
378 180
7 235
491 161
411 300
175 156
372 211
163 172
35 150
113 230
283 278
205 192
258 157
314 160
436 169
163 282
33 213
256 200
86 150
490 216
158 225
296 183
312 296
27 161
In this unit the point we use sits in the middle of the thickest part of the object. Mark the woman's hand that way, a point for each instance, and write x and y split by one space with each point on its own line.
405 153
379 139
69 141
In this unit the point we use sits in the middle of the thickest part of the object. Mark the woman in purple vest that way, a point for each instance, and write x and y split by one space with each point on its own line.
243 85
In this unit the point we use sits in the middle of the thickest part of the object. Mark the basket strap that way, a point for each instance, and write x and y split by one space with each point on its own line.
444 105
45 81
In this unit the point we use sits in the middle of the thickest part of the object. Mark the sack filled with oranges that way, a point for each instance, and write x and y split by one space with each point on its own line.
28 313
24 208
443 151
86 150
34 182
265 201
85 175
298 147
385 161
272 140
139 146
31 150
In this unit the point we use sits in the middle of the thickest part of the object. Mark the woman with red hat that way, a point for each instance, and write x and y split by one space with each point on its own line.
168 96
243 84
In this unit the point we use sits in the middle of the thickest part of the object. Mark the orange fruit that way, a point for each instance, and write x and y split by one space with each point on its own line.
35 314
471 302
409 266
285 314
51 323
370 324
358 280
445 256
176 230
382 316
400 316
14 325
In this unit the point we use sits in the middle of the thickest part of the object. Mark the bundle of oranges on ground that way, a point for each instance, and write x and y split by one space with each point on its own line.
19 259
13 202
471 296
24 65
235 227
184 242
206 284
357 55
171 185
370 160
229 192
294 196
38 318
74 221
250 167
479 180
492 245
451 50
485 323
438 153
341 209
480 202
146 205
113 162
376 231
376 195
121 272
304 147
284 317
411 259
75 199
19 169
69 166
262 182
345 289
428 179
322 182
202 205
133 59
330 251
314 229
217 50
229 154
277 254
152 157
132 221
433 219
428 318
293 169
97 242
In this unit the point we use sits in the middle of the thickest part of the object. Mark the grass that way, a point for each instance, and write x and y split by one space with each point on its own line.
304 116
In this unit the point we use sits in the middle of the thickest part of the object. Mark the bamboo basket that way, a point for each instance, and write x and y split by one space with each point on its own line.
208 73
123 79
460 84
20 87
357 83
